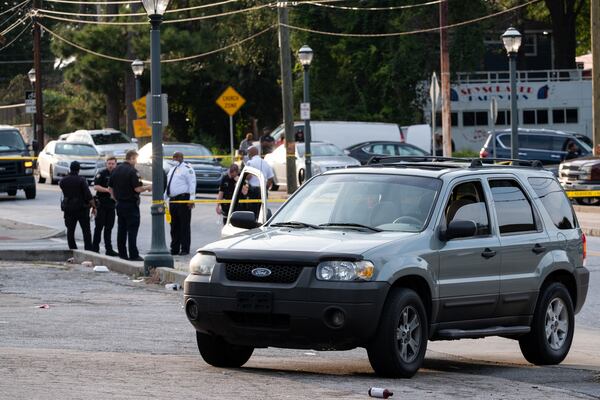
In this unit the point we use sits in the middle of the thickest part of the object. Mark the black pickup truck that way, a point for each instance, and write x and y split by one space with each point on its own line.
16 169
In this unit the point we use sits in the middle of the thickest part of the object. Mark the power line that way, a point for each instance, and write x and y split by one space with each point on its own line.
426 30
320 4
16 14
13 8
172 60
17 37
85 3
13 26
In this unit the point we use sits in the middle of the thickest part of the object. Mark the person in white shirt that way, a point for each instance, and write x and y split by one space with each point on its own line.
181 185
257 162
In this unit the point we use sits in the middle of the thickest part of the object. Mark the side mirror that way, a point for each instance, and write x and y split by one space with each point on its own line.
244 220
459 229
347 152
134 140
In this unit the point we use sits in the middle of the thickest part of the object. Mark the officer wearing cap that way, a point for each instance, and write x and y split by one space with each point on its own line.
125 186
181 185
105 215
76 203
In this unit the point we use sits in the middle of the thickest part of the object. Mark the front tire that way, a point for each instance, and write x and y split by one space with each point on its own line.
41 179
398 348
552 328
30 193
51 175
12 192
218 353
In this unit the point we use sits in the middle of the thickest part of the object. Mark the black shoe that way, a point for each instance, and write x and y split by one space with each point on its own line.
112 253
138 258
184 253
174 253
123 257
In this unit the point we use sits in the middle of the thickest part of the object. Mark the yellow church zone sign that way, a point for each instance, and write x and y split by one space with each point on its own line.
230 101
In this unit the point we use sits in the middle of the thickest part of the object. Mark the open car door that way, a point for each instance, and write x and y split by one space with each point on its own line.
243 191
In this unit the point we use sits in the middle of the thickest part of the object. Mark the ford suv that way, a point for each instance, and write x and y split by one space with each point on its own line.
391 255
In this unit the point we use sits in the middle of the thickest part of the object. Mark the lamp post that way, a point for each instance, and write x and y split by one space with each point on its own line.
512 41
31 76
305 55
159 256
137 66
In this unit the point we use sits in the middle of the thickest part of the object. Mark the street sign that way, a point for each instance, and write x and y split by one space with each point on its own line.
141 128
30 109
494 110
304 111
434 91
165 110
230 101
139 106
29 102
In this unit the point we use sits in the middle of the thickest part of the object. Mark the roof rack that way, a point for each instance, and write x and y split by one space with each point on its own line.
473 162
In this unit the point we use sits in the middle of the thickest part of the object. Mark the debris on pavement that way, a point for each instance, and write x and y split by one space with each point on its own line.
380 393
43 306
87 264
71 260
172 286
100 268
138 280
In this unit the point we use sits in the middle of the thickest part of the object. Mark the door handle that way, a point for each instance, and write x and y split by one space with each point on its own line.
538 249
488 253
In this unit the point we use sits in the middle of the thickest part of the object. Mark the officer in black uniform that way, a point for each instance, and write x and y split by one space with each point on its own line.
125 185
105 215
76 203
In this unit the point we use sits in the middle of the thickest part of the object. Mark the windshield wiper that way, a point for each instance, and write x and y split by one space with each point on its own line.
352 225
296 224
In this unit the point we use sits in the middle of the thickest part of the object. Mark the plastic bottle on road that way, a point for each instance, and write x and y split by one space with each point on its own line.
380 393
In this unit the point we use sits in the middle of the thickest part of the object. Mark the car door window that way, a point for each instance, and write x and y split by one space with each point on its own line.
467 203
408 151
555 202
248 197
513 208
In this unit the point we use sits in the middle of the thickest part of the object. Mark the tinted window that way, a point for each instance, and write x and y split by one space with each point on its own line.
555 201
536 142
11 140
109 138
467 203
512 207
406 150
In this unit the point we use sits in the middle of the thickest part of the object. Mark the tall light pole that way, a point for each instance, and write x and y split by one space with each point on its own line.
305 55
159 255
137 66
32 78
512 41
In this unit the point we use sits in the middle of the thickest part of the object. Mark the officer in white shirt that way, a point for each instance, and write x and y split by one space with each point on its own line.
181 185
257 162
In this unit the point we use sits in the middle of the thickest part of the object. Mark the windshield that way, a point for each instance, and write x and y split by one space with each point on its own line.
386 202
320 150
109 138
70 149
187 151
11 140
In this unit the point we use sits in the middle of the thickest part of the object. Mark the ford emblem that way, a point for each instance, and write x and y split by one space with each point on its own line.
261 272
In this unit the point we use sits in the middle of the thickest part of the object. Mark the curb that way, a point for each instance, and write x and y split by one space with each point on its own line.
36 255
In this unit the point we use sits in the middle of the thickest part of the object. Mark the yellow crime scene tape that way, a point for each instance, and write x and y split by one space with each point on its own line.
582 193
17 158
215 201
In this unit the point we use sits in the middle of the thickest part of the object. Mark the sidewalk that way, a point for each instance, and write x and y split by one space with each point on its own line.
16 230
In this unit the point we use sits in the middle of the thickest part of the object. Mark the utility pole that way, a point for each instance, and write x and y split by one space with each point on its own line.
445 75
37 65
286 95
595 31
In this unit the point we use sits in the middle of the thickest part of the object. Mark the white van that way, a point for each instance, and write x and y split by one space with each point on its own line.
343 133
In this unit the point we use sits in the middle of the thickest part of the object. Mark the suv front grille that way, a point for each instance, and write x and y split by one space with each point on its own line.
279 273
8 168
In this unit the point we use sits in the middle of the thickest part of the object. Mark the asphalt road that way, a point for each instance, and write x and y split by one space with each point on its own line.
107 337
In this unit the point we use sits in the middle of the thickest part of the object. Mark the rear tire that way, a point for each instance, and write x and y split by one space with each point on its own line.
218 353
30 193
552 328
51 175
398 348
41 179
12 192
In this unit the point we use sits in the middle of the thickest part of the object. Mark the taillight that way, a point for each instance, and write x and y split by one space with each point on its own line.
483 153
402 138
584 245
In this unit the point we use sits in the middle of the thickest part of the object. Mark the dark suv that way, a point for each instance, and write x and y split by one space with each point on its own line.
392 255
16 168
547 146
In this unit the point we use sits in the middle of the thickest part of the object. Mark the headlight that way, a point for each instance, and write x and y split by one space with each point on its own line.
203 264
345 270
587 172
28 164
62 164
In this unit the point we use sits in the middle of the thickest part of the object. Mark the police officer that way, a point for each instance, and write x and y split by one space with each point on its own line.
181 185
105 215
125 186
76 203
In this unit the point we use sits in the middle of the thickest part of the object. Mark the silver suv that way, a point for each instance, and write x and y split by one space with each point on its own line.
392 255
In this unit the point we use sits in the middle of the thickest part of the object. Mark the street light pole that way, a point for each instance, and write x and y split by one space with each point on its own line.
159 256
512 41
137 66
305 54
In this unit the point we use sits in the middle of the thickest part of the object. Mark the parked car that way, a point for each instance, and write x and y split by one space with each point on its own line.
55 159
581 174
107 141
15 174
325 157
547 146
208 170
388 258
364 151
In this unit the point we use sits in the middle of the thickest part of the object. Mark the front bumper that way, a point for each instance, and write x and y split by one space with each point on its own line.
298 315
16 183
571 185
88 173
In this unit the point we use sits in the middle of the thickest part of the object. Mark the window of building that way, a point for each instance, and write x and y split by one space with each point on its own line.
571 115
535 117
555 202
530 44
513 209
529 117
565 116
503 117
453 119
475 118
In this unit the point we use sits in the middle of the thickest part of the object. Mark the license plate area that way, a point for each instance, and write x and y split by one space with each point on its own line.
254 302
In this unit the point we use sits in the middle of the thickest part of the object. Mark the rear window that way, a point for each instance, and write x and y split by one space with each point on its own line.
71 149
555 202
109 138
